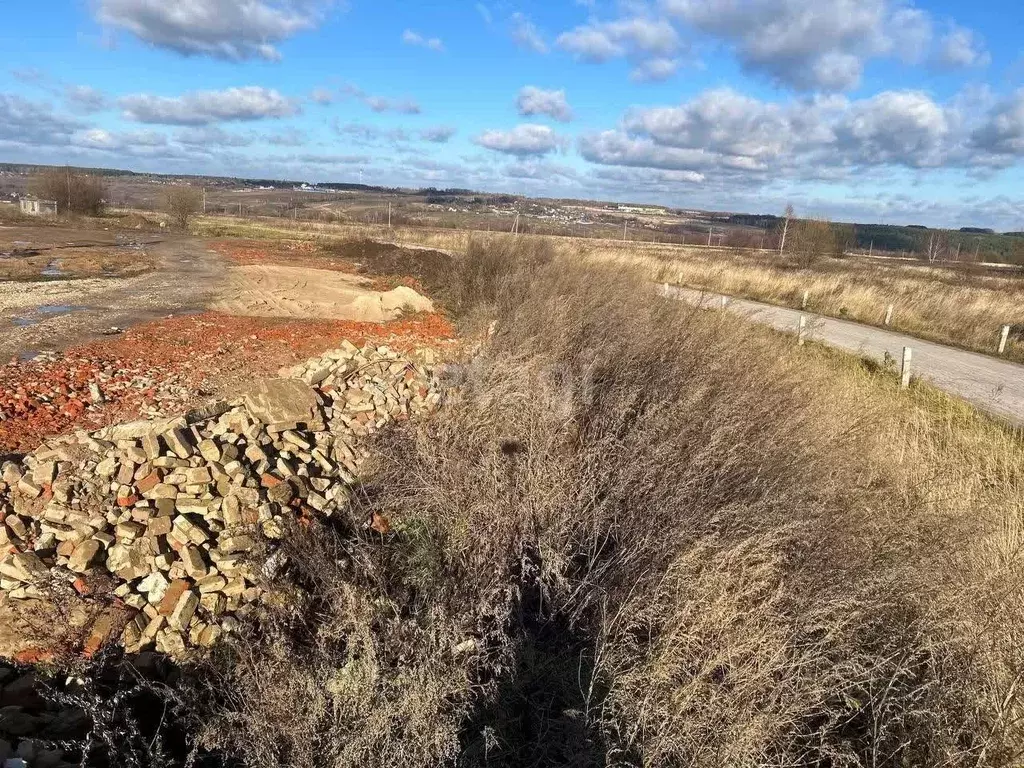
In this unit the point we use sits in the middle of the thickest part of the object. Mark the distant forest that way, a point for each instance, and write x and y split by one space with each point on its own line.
914 239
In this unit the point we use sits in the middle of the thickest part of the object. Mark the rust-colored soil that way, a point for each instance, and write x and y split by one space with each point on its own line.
165 366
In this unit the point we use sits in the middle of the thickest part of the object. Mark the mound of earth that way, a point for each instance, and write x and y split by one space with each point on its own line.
428 267
298 292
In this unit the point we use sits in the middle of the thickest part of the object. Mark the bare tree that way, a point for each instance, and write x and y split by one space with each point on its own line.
811 239
183 203
785 227
74 192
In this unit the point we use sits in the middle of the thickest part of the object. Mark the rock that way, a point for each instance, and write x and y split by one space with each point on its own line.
24 567
179 442
84 555
284 401
184 610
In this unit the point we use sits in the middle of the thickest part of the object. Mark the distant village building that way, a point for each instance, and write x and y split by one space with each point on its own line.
36 207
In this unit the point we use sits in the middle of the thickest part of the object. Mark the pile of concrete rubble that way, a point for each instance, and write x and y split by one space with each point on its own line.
177 518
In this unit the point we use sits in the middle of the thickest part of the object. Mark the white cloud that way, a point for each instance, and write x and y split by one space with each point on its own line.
207 107
382 103
654 70
962 48
410 37
322 96
898 128
85 99
536 101
1002 132
523 140
808 44
637 36
29 122
225 29
526 35
726 135
438 134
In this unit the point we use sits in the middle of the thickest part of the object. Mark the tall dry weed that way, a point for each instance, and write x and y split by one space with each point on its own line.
636 534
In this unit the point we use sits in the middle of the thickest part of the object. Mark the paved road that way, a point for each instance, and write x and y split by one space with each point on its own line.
995 385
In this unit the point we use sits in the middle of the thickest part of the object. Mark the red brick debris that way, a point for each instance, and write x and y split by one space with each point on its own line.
163 367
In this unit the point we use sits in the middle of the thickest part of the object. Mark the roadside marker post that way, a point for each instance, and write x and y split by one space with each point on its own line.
725 301
1003 338
908 355
807 296
888 313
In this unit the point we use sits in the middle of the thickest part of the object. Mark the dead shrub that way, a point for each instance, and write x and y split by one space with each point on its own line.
634 535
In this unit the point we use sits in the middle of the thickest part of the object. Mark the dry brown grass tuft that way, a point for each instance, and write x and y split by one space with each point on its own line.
640 534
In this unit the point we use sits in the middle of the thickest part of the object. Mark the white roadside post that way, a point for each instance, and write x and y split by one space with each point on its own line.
888 313
801 330
807 296
725 301
1003 338
905 368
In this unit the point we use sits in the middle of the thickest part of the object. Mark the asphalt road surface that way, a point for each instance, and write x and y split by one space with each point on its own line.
995 385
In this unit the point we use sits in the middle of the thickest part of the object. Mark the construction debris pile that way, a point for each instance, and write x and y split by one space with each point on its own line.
177 518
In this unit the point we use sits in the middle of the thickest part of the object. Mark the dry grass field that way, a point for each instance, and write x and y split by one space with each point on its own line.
950 306
630 539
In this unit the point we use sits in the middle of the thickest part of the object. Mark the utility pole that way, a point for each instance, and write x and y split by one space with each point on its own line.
389 214
204 201
623 231
871 249
711 231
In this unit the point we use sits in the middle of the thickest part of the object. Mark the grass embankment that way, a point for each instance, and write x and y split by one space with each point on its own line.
629 538
942 304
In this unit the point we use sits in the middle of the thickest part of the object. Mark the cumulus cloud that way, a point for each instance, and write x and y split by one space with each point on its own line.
114 141
523 140
526 35
895 128
206 107
637 36
536 101
654 70
962 48
1002 132
225 29
725 135
409 37
808 44
382 103
29 122
438 134
85 99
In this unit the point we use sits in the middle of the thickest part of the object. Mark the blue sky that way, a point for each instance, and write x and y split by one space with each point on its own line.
870 110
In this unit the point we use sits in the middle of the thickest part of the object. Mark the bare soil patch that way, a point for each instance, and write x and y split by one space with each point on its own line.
167 365
300 292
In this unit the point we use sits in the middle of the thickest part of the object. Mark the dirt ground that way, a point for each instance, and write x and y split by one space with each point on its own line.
51 314
203 319
300 292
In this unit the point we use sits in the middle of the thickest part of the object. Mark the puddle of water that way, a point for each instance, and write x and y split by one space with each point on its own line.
47 310
53 269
